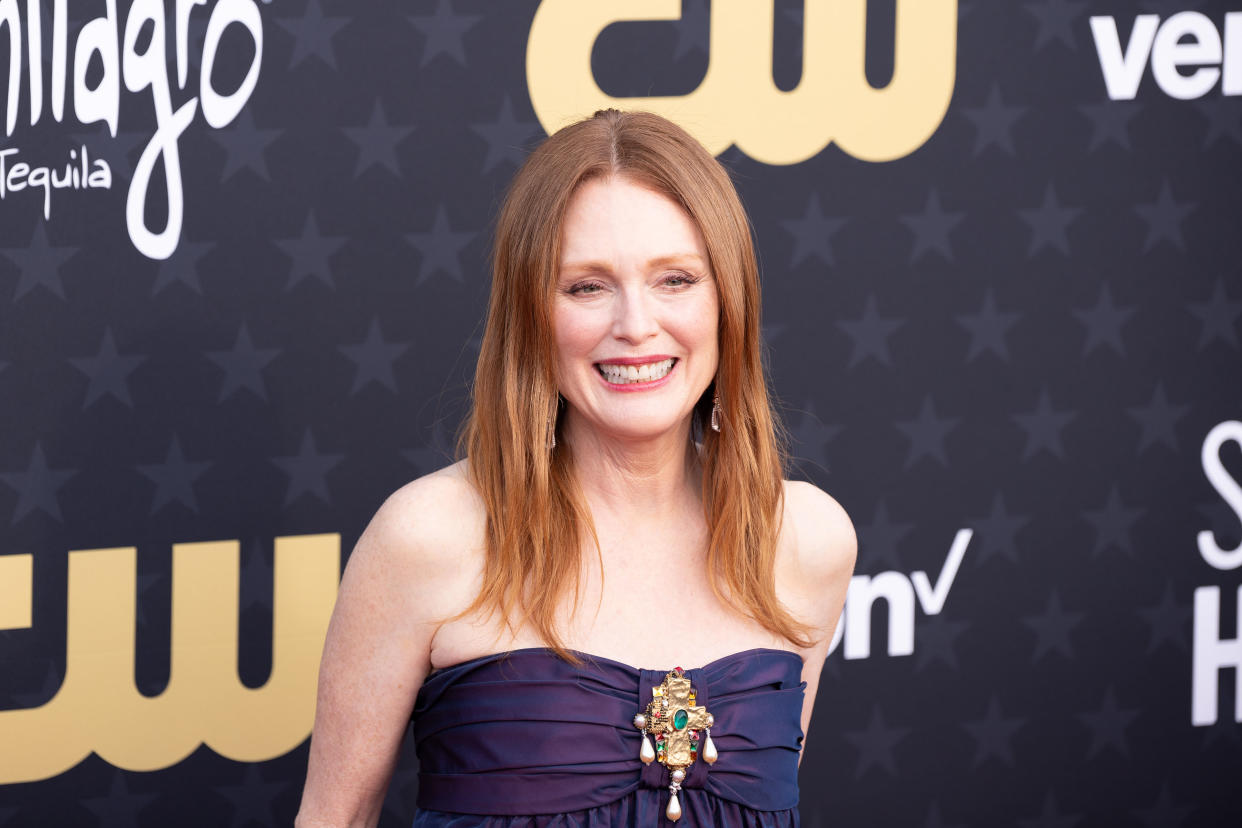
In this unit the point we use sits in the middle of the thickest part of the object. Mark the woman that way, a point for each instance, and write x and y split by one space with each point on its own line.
621 503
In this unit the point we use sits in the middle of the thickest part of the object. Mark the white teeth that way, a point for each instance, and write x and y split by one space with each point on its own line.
626 374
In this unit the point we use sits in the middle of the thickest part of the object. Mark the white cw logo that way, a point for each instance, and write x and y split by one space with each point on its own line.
1188 55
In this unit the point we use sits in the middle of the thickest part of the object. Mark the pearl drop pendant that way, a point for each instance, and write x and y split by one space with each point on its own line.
673 811
709 750
646 752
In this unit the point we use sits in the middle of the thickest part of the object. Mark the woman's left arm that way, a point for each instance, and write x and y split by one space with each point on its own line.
818 549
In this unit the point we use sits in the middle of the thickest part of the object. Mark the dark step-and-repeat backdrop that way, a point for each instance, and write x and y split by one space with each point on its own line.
243 267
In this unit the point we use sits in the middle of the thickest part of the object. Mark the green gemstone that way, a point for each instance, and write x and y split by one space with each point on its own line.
680 719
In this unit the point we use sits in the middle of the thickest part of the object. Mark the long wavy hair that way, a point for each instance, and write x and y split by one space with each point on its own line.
538 521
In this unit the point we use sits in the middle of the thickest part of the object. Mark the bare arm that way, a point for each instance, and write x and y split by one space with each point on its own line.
820 551
399 583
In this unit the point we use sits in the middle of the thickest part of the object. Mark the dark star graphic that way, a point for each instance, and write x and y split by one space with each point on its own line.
1169 621
1108 726
1043 428
308 470
440 248
108 372
119 808
878 540
1053 628
1158 419
1104 322
1112 523
937 638
1218 317
993 122
508 139
931 228
174 478
1164 813
244 145
812 234
442 32
312 34
875 744
927 433
993 735
1224 120
1110 122
39 263
1049 223
437 453
988 328
182 267
373 359
810 437
37 487
997 533
377 142
252 799
1057 20
311 254
1051 816
1164 218
243 366
870 334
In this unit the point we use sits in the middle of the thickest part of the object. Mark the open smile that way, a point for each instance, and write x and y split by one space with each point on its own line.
635 374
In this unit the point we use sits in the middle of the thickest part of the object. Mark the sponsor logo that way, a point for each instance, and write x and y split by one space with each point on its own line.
1188 55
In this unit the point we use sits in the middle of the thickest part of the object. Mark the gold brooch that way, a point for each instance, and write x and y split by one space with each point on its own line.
676 722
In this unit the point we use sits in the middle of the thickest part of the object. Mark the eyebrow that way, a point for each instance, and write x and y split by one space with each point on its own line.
674 259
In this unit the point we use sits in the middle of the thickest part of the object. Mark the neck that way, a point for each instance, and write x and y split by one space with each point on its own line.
651 478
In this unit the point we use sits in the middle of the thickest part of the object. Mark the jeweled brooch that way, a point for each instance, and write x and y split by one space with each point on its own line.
680 727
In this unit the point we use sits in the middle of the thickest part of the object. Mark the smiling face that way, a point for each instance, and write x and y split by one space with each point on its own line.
636 311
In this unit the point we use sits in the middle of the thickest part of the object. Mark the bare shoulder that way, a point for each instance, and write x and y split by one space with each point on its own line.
816 533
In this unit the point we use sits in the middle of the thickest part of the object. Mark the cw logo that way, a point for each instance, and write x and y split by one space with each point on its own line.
99 709
738 102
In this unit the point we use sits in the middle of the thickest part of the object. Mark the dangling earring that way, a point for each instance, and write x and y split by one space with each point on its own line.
716 411
556 413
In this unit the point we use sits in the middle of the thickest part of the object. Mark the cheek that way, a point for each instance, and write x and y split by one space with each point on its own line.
576 331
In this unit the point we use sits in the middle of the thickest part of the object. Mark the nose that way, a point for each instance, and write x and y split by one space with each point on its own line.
634 318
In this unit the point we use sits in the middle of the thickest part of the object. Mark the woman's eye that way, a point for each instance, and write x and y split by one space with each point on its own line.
679 280
585 288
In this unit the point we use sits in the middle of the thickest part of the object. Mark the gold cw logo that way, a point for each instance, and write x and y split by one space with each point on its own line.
738 102
99 709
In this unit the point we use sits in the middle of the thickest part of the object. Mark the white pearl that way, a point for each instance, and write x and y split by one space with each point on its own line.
646 752
679 775
711 720
640 721
673 812
709 751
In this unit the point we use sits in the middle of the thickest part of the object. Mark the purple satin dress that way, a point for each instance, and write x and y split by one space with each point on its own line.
527 739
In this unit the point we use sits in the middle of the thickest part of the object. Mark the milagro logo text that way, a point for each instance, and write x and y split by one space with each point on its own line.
131 53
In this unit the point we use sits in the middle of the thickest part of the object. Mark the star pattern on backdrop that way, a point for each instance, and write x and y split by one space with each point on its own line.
312 35
1043 427
1112 523
878 539
1103 323
245 145
996 534
1168 622
311 254
1224 121
39 263
1164 218
121 807
927 433
1056 20
243 366
993 735
937 639
373 359
440 248
876 744
1049 223
38 487
252 799
377 142
508 139
442 32
931 228
988 328
1218 317
810 437
812 234
1110 123
107 372
1052 629
181 268
1158 420
174 478
869 334
1108 726
308 470
993 122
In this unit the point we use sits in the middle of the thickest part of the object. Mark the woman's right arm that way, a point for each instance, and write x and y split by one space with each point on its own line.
404 576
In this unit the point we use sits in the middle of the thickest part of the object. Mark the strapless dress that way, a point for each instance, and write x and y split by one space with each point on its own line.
526 739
